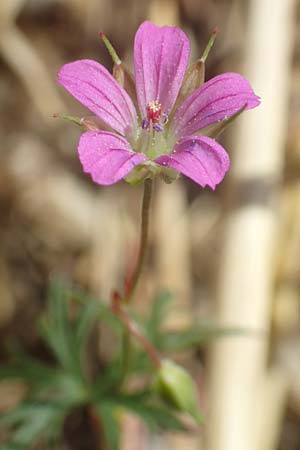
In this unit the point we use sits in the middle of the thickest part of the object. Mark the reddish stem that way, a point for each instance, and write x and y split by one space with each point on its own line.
134 330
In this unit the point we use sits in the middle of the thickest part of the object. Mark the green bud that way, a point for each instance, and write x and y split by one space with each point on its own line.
176 386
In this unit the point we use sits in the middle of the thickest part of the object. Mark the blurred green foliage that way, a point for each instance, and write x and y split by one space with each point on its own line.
57 387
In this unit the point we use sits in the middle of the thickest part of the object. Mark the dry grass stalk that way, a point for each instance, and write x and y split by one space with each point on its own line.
238 364
286 314
22 57
289 244
9 11
164 12
172 244
108 256
63 209
273 403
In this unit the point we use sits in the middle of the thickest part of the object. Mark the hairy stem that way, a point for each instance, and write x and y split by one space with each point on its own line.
131 329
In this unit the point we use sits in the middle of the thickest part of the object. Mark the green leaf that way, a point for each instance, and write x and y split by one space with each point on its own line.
157 315
24 367
109 421
48 383
102 311
84 322
69 389
12 446
195 336
155 416
57 331
140 363
152 412
109 381
32 421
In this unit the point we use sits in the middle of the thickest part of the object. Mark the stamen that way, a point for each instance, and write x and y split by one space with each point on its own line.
157 127
164 118
145 124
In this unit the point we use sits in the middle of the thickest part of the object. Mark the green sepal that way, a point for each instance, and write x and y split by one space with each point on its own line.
195 75
73 119
139 174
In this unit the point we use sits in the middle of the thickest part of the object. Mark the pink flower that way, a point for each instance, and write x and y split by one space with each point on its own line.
158 137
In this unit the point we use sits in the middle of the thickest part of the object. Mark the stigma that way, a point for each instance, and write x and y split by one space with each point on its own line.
155 118
153 111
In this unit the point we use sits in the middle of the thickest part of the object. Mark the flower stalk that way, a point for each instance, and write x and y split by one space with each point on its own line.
131 328
133 280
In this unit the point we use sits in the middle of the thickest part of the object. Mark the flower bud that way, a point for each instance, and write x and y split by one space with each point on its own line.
175 385
193 79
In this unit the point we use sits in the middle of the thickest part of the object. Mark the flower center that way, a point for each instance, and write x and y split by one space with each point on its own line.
155 119
153 138
153 111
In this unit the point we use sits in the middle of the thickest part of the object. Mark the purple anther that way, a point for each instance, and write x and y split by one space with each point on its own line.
157 127
145 124
164 118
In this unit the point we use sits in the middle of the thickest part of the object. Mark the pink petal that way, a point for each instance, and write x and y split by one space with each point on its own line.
107 156
91 84
160 60
217 99
200 158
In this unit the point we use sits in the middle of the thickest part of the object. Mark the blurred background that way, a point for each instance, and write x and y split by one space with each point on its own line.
232 255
